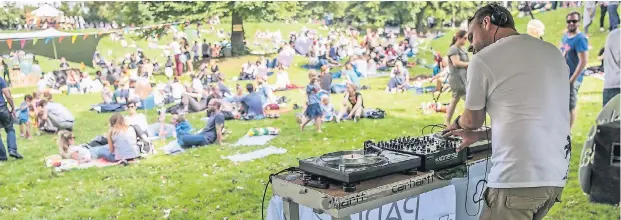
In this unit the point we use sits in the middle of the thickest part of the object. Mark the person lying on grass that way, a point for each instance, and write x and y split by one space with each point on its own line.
194 101
212 132
82 153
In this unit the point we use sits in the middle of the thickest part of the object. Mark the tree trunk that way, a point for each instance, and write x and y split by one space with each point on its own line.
420 20
237 35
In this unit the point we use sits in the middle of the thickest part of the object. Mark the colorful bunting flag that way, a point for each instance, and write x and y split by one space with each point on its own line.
9 43
98 34
82 66
60 39
73 38
34 41
47 39
182 27
84 37
22 43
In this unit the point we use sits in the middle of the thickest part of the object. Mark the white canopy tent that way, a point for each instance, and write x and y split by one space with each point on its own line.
47 11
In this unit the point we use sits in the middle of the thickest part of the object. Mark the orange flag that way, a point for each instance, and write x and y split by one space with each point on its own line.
82 66
84 37
60 39
9 43
73 38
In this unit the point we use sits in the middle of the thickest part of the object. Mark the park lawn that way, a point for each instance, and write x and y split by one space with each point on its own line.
199 184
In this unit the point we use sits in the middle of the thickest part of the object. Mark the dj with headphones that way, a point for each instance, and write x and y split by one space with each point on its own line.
516 79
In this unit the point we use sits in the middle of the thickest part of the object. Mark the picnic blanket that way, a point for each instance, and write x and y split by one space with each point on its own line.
60 164
256 154
254 140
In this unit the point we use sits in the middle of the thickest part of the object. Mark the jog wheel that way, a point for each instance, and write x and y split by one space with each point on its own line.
349 187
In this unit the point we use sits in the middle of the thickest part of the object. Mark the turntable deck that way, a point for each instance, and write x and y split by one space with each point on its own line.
355 166
369 194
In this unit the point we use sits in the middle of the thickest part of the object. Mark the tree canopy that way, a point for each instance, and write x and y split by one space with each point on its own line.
373 14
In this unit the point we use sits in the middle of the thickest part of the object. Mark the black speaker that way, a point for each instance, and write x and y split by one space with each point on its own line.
605 168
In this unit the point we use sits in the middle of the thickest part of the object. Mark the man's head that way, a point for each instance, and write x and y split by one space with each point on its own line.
47 96
249 87
573 20
131 107
42 103
28 98
214 105
485 24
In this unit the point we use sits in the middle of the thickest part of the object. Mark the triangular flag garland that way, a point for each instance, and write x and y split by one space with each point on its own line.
73 38
9 43
34 41
182 27
22 43
60 39
84 37
47 39
82 66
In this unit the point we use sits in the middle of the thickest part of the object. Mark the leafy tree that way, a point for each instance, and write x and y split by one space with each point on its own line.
11 16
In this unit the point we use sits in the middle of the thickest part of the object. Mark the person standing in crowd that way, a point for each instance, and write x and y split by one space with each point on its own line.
574 48
589 15
6 120
458 63
603 5
5 71
195 49
613 15
612 67
530 122
206 49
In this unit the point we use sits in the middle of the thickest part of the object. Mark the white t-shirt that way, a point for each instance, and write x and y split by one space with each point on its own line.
197 85
525 91
175 47
138 119
282 79
611 61
177 90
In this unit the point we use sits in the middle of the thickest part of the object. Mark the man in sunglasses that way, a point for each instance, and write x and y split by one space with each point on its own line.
574 47
521 82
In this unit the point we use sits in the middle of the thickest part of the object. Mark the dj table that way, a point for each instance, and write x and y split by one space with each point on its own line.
369 194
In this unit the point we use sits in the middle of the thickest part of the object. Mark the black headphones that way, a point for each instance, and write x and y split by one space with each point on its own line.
498 17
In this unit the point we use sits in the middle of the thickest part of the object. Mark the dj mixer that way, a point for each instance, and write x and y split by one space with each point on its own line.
435 151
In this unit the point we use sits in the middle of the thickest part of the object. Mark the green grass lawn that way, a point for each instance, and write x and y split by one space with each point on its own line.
200 185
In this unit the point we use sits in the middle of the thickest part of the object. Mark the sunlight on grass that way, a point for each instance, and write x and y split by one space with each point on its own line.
199 184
